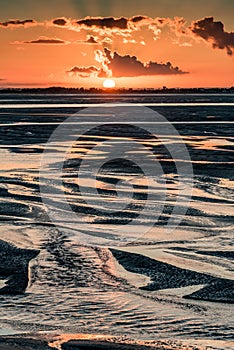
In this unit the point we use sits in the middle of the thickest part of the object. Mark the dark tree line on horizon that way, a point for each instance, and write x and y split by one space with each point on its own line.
93 90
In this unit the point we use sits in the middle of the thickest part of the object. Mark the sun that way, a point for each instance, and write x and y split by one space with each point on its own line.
109 84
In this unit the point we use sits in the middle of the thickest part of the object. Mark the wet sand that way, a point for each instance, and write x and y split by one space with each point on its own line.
98 342
14 267
87 291
167 276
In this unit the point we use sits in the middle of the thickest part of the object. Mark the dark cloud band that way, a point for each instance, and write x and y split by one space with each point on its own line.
125 66
130 66
105 22
214 32
17 22
46 41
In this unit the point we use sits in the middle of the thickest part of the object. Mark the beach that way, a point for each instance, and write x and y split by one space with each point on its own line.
161 290
98 342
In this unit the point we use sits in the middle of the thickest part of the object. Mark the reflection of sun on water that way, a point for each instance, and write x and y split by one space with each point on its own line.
109 83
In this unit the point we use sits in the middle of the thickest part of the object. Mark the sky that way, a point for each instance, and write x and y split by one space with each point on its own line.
138 44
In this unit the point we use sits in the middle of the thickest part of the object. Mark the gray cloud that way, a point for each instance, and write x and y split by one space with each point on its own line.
84 72
136 19
60 21
17 22
56 41
119 66
91 40
104 22
47 41
43 41
214 32
206 28
130 66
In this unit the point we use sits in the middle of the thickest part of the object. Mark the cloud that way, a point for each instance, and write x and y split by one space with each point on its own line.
214 32
130 41
105 30
43 41
98 24
102 58
136 19
130 66
60 21
17 22
91 40
185 44
113 64
103 74
109 25
106 41
104 22
84 72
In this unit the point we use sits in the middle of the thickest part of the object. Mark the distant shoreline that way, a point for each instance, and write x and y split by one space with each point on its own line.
63 90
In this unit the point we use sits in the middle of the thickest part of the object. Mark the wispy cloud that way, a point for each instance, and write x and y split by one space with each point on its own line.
84 72
43 41
17 23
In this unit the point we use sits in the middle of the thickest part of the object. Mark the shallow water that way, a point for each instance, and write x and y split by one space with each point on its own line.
77 287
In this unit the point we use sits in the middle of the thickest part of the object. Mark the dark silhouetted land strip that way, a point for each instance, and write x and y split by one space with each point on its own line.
93 90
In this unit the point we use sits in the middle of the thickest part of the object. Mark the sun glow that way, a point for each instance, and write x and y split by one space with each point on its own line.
109 84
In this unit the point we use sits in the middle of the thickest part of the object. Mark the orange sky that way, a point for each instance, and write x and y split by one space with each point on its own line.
42 52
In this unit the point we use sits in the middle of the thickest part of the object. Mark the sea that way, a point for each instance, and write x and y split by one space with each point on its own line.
84 175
